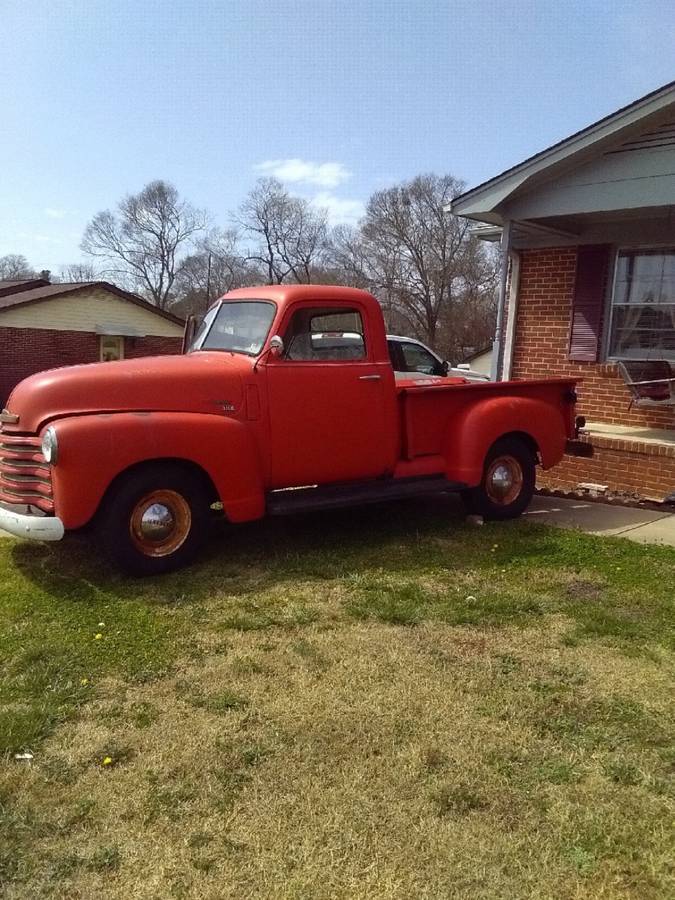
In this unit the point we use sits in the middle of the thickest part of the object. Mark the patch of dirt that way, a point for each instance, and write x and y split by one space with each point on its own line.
583 589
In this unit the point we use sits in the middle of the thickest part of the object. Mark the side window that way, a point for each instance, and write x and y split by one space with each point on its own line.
417 359
395 356
325 335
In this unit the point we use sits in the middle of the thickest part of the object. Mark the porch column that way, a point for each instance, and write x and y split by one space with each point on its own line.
498 343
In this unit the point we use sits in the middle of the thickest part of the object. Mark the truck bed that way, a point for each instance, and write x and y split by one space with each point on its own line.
428 408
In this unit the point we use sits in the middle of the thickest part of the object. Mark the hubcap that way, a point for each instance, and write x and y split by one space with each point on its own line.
504 480
157 523
160 523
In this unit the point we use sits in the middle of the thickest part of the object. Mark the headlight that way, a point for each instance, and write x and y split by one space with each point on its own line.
50 446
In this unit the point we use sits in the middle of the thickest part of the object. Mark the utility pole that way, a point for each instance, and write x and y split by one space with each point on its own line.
208 282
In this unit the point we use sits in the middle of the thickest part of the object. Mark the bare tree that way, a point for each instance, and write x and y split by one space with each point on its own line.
425 267
15 267
348 257
217 266
78 272
143 244
287 234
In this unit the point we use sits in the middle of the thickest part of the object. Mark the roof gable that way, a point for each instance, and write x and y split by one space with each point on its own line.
645 124
617 180
44 291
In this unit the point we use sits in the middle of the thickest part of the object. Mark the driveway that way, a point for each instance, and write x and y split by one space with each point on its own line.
645 526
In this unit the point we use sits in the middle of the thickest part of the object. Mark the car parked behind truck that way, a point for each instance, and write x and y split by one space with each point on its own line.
260 416
411 357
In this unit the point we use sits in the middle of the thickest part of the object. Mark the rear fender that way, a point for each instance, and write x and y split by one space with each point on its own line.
473 432
93 450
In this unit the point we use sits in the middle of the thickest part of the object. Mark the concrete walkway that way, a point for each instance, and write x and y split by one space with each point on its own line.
645 526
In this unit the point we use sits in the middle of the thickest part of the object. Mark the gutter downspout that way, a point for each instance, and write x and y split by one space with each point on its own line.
498 340
512 315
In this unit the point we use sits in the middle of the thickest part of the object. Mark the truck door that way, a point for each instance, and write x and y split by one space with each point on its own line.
327 400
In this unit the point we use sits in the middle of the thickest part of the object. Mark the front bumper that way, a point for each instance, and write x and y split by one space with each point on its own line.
36 528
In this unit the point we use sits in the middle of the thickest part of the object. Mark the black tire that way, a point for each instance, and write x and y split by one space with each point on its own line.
165 497
493 499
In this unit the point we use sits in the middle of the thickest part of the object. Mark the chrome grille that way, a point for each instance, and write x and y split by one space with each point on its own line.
25 476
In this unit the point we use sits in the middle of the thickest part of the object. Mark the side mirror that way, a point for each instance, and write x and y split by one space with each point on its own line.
276 345
445 367
274 349
189 333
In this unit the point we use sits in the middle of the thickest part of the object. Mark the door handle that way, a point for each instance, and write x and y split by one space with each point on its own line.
369 377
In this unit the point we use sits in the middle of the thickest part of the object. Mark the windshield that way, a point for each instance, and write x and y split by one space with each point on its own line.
237 326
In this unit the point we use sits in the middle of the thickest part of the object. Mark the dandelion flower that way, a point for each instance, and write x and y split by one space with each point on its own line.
107 760
97 637
84 681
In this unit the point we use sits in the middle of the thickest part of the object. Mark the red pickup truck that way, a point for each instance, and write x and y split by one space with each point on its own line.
264 414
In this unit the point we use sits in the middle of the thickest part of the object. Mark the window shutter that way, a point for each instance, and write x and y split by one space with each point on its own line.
588 302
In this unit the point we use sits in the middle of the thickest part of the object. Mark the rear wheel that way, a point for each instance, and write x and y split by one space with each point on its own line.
155 519
507 484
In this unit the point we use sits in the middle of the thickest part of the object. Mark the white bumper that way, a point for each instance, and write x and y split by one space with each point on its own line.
35 528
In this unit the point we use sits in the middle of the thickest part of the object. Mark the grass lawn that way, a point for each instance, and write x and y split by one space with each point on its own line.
380 704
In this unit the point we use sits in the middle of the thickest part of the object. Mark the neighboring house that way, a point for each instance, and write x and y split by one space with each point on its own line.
587 230
45 325
480 361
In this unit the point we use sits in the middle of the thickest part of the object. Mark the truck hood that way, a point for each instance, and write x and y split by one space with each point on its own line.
206 382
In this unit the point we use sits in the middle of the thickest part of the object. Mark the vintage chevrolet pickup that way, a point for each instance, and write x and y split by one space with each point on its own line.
268 411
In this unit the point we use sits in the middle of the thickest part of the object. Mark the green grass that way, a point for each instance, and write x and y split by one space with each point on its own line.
60 635
386 703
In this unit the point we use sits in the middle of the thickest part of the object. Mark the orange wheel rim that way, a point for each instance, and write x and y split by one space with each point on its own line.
504 480
160 523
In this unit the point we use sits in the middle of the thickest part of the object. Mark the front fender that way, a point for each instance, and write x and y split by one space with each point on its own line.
94 449
474 431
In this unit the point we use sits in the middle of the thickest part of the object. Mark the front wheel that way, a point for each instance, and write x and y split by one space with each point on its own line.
155 519
507 484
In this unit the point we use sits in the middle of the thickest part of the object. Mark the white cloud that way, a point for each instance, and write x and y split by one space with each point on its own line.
340 211
54 213
326 175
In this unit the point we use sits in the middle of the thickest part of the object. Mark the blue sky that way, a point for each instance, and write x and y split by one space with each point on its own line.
339 98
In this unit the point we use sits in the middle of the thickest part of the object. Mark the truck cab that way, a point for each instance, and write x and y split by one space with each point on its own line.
267 412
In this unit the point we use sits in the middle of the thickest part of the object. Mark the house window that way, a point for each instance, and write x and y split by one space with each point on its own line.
112 347
643 305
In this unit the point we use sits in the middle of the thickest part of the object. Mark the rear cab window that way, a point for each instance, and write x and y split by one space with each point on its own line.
322 334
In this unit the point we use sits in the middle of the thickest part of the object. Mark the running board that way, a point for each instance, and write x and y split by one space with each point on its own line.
334 496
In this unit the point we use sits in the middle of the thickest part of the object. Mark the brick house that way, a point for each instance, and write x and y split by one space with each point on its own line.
45 325
587 232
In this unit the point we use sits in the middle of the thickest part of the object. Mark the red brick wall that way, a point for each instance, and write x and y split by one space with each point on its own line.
542 342
24 351
625 467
